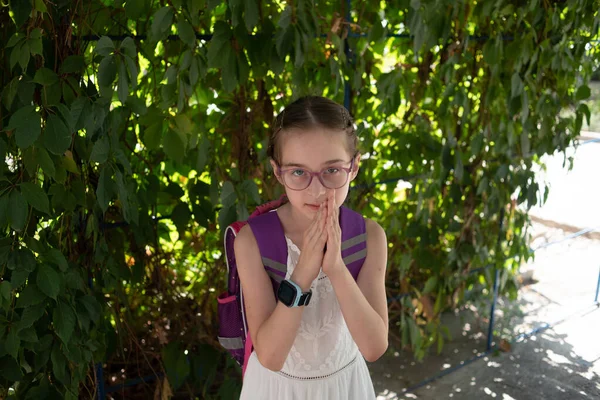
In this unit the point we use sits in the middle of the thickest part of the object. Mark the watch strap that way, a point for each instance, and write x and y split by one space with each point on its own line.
302 298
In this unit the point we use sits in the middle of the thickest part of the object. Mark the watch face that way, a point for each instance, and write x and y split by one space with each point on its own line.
286 293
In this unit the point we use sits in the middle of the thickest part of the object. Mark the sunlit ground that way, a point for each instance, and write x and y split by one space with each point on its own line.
562 362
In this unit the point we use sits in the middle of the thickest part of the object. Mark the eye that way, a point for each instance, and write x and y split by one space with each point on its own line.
332 170
297 172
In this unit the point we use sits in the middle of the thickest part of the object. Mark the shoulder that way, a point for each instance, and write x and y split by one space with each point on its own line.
376 246
374 231
245 242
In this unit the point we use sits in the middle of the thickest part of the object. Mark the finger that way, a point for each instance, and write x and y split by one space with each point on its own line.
316 227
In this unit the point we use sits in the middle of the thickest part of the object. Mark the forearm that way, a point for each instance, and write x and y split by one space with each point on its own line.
277 333
276 336
366 326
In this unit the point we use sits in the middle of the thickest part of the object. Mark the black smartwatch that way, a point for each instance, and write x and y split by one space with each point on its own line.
291 294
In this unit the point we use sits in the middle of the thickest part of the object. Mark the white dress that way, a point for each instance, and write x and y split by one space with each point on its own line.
324 361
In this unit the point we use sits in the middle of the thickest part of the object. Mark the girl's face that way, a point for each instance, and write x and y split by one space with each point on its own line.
314 150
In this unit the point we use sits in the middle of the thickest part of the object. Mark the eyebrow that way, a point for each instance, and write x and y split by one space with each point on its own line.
304 166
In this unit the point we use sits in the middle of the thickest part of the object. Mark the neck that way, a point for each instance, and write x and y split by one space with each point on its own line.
300 220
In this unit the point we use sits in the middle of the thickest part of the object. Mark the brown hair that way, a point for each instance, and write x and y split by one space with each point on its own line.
310 112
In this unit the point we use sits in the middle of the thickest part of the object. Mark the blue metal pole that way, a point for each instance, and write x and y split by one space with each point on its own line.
98 366
597 288
347 52
492 309
496 279
100 378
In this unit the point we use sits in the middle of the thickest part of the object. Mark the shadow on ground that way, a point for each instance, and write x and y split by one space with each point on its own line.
561 362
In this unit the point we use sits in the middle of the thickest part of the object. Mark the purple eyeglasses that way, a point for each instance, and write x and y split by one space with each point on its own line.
332 177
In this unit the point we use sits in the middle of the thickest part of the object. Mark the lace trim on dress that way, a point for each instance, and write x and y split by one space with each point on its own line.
312 378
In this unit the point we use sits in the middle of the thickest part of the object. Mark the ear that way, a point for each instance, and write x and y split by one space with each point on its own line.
275 169
355 167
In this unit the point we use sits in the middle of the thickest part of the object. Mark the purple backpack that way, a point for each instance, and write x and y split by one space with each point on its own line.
268 231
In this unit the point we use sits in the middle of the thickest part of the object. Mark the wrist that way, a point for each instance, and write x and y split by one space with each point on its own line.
301 279
337 269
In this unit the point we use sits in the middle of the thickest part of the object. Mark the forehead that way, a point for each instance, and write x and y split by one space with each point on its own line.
313 147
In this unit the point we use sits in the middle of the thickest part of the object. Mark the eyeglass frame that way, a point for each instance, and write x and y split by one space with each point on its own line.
313 174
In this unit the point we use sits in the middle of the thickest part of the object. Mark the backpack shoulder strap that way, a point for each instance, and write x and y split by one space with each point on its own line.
354 240
268 231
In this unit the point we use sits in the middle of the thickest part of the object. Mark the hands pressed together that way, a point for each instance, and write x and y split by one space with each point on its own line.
323 233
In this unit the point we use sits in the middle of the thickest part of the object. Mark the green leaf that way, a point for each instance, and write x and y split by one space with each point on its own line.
15 54
285 18
59 364
251 190
10 368
137 105
63 319
18 278
458 166
525 145
107 72
134 9
57 137
152 136
176 364
516 85
100 150
228 195
6 290
48 281
229 73
299 53
56 257
12 343
10 92
203 153
40 6
69 164
92 306
583 92
35 46
250 14
24 56
161 24
23 259
30 296
220 46
128 47
491 53
123 190
28 335
45 76
105 190
44 160
186 33
28 157
18 211
430 284
105 46
181 216
284 40
133 71
14 39
174 146
72 65
36 197
30 315
27 124
123 86
4 213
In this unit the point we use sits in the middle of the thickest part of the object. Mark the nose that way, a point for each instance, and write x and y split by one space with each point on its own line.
316 188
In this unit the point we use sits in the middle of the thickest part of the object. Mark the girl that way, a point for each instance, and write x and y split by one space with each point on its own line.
314 351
